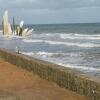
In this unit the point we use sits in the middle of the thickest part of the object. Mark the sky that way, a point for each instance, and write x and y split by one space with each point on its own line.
52 11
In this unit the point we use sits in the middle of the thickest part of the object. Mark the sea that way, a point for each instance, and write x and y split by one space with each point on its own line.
75 46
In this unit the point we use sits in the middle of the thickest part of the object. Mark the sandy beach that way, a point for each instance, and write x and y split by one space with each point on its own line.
19 84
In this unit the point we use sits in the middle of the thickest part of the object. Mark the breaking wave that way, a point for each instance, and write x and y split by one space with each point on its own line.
44 54
47 55
81 68
80 36
82 45
68 36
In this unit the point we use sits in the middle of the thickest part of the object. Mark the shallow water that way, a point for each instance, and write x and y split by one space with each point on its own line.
74 45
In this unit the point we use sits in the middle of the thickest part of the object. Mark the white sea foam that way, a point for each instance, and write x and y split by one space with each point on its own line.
87 35
84 45
82 68
45 35
31 40
43 54
10 36
47 57
53 54
13 36
28 53
79 36
69 36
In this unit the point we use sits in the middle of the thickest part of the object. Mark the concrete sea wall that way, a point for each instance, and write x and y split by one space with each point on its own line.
64 77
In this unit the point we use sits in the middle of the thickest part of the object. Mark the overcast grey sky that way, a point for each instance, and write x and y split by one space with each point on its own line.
52 11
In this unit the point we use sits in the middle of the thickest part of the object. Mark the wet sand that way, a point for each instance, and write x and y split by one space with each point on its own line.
19 84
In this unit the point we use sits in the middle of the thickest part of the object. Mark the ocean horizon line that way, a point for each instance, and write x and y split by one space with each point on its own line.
60 23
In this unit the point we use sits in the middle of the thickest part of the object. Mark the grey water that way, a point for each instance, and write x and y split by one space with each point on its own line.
76 46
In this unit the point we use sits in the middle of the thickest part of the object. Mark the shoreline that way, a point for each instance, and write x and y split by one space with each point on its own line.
19 84
64 77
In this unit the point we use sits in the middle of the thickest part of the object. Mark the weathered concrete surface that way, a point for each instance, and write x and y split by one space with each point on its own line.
64 77
19 84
